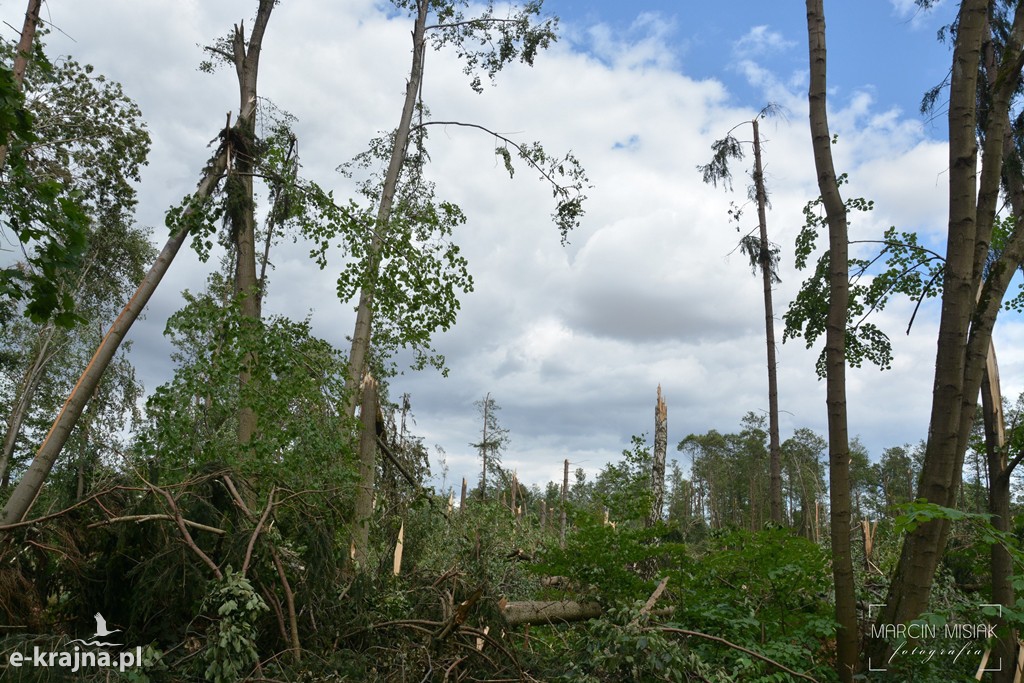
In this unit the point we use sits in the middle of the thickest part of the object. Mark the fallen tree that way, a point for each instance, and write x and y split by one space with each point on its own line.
548 611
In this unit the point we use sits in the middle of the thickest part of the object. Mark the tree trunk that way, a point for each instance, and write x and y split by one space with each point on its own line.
241 209
367 471
767 276
658 464
32 482
1000 562
544 611
363 332
21 57
967 318
23 400
565 495
483 450
847 637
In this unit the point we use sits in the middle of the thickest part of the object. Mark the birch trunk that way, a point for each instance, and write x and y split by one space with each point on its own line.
31 484
363 332
21 57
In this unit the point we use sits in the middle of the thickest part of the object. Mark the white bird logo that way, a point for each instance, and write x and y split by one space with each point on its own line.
101 627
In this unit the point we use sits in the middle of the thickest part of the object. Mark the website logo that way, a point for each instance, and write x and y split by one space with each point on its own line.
91 653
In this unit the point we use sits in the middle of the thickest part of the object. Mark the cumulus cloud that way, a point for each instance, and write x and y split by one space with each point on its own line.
570 341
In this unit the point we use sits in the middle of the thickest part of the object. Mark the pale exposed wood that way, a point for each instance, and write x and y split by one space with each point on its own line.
984 662
396 568
649 605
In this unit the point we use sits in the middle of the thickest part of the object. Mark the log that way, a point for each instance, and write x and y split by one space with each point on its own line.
558 611
546 611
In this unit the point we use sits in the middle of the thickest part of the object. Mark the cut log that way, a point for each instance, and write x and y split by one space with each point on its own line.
545 611
558 611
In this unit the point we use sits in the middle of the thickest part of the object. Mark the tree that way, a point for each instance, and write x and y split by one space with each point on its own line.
502 40
896 474
658 461
847 638
801 456
97 153
42 211
493 440
728 474
972 287
240 209
764 256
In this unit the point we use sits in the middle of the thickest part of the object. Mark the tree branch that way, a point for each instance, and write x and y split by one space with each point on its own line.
559 189
723 641
147 518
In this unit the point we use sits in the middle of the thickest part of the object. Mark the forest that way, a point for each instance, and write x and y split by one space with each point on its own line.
271 512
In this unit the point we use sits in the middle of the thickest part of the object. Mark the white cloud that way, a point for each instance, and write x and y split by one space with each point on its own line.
571 342
761 40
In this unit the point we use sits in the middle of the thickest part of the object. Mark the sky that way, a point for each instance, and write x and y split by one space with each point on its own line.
572 342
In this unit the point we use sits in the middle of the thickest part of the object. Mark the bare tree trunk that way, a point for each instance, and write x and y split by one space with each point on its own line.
767 276
1000 562
23 400
483 450
32 483
658 465
847 637
966 322
367 471
363 332
544 611
565 496
241 209
21 57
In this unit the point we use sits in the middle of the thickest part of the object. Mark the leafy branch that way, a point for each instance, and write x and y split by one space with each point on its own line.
565 175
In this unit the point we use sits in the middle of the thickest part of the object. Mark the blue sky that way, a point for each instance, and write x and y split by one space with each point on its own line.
572 342
887 47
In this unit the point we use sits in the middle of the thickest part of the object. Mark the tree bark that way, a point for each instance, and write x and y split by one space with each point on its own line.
483 450
565 496
767 275
241 208
31 484
967 318
23 400
847 637
367 471
363 332
544 611
1000 562
658 464
21 57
